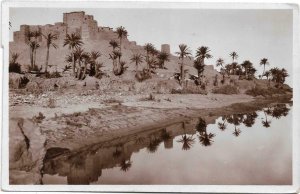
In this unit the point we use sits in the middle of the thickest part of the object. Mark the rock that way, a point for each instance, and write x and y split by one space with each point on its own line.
17 81
26 151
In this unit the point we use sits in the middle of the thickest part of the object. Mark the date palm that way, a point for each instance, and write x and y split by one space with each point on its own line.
121 32
50 38
137 59
33 46
184 52
114 44
264 62
148 47
247 65
94 55
202 53
163 57
73 41
220 62
36 34
29 36
234 56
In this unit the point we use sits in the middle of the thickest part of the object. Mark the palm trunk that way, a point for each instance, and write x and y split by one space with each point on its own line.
31 58
181 73
74 63
84 71
47 59
136 67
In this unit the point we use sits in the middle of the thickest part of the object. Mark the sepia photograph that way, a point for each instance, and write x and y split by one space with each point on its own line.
150 94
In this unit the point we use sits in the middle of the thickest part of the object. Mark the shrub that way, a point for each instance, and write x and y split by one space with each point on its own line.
227 89
258 91
14 67
142 75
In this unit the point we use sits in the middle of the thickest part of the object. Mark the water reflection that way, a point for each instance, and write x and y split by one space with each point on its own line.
86 166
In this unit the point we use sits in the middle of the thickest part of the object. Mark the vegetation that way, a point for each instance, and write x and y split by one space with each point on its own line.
183 53
14 66
49 39
226 89
202 53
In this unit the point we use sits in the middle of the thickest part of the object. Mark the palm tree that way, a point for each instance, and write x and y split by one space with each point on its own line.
247 65
148 47
36 34
264 62
73 41
184 52
33 46
94 55
49 39
29 35
121 34
233 55
220 62
137 59
202 53
163 57
86 59
114 44
278 76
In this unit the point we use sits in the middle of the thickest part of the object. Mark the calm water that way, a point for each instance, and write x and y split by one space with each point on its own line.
253 148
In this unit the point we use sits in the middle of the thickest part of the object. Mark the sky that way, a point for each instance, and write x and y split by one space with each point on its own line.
254 34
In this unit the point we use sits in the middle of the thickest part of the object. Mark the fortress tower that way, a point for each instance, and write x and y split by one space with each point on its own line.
165 48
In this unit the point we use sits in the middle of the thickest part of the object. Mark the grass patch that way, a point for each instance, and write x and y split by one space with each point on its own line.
227 89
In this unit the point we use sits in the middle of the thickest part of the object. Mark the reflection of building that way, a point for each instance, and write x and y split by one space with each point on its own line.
85 167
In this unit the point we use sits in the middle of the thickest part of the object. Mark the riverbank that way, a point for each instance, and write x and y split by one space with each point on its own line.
88 120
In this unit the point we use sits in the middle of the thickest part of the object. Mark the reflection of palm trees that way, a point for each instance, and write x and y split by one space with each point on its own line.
236 132
280 110
250 119
153 145
222 125
201 125
165 135
187 142
117 153
266 123
206 138
125 165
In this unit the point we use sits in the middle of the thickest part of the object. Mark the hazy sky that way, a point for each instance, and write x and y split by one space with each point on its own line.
253 34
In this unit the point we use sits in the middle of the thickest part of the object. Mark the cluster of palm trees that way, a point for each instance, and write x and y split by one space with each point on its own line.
33 43
80 59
